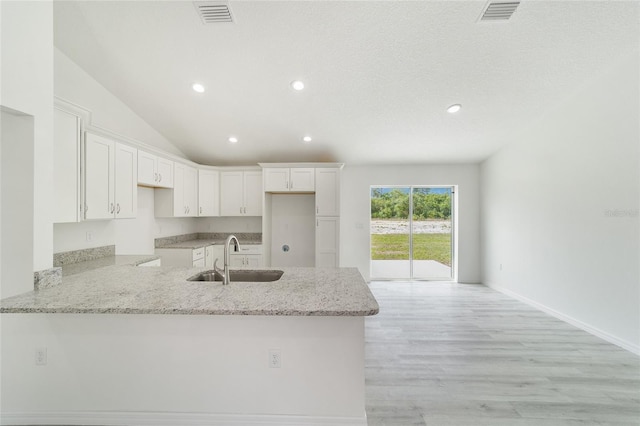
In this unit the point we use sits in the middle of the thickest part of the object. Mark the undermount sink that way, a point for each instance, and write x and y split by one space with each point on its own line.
254 276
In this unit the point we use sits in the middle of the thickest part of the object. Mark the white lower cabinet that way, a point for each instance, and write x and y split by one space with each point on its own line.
246 260
182 257
327 242
212 253
249 256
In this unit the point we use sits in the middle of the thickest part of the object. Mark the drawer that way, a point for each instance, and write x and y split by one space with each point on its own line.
249 249
198 253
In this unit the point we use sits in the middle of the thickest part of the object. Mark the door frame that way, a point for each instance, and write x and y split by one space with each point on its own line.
453 245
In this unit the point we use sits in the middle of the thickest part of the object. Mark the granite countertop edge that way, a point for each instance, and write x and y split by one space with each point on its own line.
196 244
127 289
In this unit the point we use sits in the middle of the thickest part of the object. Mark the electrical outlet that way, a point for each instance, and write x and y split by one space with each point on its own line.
41 356
275 358
89 236
501 266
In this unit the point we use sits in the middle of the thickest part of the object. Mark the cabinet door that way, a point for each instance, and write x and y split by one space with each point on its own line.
208 253
236 260
165 173
126 178
328 192
327 242
179 207
147 171
191 191
208 193
302 179
276 180
231 194
66 167
99 179
253 260
253 193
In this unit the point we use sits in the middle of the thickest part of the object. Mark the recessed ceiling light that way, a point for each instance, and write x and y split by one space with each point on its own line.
198 87
454 108
297 85
307 139
233 139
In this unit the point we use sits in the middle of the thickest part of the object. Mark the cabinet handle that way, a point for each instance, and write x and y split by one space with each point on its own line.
245 210
155 177
118 209
200 209
291 185
159 177
286 184
111 208
317 209
188 209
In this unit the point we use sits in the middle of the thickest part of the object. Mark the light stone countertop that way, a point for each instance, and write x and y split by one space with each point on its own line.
88 265
127 289
196 244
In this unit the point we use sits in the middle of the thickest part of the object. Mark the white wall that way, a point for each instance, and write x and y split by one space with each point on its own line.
73 84
230 224
16 224
293 223
125 369
26 33
546 209
355 245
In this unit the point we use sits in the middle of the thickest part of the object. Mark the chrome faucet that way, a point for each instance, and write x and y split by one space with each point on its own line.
224 273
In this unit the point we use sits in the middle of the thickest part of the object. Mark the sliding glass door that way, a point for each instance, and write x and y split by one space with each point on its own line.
412 232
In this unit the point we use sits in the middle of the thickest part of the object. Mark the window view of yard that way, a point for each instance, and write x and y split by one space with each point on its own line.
431 224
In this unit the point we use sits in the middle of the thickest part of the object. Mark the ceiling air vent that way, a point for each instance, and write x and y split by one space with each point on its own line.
213 12
499 11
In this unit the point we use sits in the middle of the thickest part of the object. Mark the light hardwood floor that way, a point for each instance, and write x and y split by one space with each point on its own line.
463 354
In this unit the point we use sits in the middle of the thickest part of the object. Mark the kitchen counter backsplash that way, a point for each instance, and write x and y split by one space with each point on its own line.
76 256
243 237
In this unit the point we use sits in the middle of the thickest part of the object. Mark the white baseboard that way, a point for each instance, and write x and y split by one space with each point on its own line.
566 318
87 418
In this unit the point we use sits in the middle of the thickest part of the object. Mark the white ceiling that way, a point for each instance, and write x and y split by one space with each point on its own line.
379 74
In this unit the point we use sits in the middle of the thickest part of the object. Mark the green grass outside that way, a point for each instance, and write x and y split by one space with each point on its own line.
425 247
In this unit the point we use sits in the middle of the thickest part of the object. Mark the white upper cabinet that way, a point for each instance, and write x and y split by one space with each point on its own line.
241 193
154 171
327 192
182 199
126 177
111 171
278 179
208 193
67 128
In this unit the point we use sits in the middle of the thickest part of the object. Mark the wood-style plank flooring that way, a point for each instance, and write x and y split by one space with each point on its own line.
463 354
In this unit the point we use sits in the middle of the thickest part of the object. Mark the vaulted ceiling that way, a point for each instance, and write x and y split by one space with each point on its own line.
379 75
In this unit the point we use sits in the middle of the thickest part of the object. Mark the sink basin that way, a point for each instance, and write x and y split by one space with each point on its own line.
254 276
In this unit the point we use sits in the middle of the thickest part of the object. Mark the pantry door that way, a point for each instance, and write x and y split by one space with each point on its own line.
412 232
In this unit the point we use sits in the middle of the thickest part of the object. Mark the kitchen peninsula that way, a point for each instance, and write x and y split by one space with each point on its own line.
127 344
